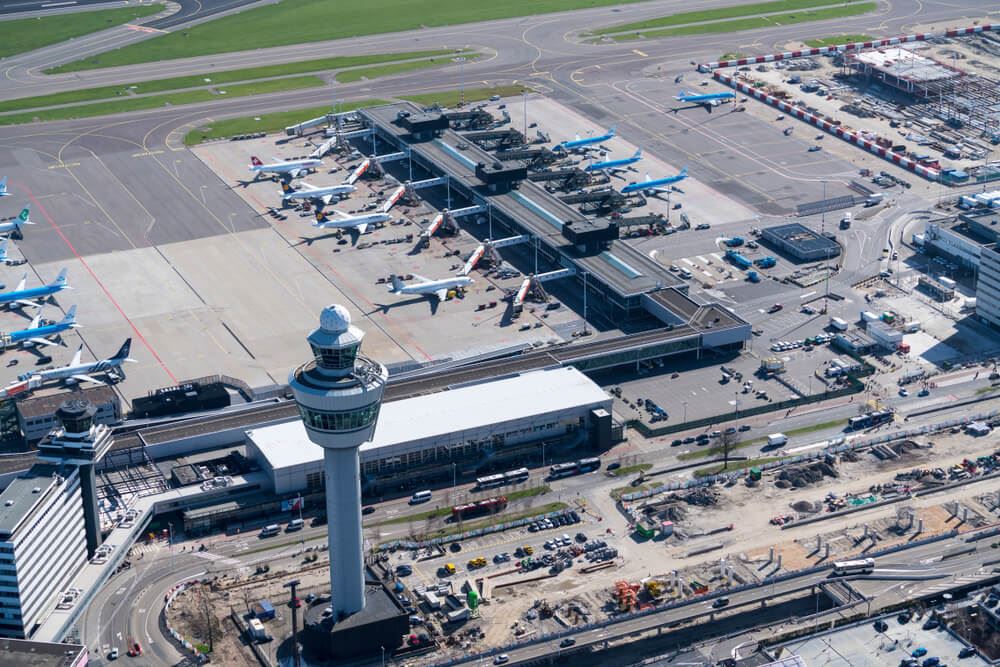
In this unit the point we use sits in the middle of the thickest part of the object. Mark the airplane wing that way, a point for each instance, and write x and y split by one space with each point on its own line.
295 173
27 302
361 228
421 278
81 377
76 357
325 199
441 294
20 285
41 341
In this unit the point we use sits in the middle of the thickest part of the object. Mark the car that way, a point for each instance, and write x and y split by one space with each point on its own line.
703 225
135 650
720 603
932 661
12 362
455 547
744 427
569 641
494 98
368 509
581 537
904 617
813 149
501 659
715 434
676 442
919 652
904 392
688 440
924 392
775 308
403 570
967 652
113 655
730 430
615 465
931 624
881 626
310 598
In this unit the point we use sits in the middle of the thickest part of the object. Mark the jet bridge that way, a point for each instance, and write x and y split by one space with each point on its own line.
488 249
446 219
532 286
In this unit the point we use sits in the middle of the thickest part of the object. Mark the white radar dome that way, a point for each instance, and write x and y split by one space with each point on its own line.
335 319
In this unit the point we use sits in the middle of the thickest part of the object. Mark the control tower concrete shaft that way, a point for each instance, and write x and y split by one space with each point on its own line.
339 394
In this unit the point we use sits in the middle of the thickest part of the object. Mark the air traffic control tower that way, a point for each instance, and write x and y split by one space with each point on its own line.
339 394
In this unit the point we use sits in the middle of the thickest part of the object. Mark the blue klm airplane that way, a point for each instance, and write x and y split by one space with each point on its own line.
615 164
587 141
26 297
38 335
707 99
655 184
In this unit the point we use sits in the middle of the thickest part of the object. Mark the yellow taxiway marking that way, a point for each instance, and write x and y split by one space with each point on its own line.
64 165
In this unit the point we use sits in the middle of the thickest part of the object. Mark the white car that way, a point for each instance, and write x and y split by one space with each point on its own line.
501 659
114 654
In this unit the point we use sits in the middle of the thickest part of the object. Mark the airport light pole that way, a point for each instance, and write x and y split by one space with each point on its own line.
295 629
585 302
524 109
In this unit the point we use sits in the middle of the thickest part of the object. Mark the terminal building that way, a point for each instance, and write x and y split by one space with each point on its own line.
487 423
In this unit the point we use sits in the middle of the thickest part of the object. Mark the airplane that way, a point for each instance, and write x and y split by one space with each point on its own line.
3 188
15 224
293 168
78 372
38 335
311 192
356 222
708 99
654 184
615 164
437 288
26 297
587 141
323 148
3 250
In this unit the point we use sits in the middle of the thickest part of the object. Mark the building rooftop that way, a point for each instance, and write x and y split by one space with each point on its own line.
46 404
906 64
20 497
804 239
459 409
25 653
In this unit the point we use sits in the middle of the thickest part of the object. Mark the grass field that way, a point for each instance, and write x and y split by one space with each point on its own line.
268 122
717 450
442 512
736 465
23 35
352 75
765 21
153 101
450 98
706 15
838 39
301 21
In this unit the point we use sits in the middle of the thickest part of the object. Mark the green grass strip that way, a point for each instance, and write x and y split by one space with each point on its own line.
703 16
267 122
154 101
22 35
717 450
622 490
628 470
450 98
838 39
441 512
456 529
301 21
764 21
737 465
352 75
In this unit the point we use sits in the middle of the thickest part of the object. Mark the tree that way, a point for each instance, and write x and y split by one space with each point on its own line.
729 441
206 622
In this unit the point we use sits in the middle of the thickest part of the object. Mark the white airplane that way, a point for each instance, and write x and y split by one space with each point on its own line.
324 148
79 372
3 188
15 224
315 194
294 168
438 288
357 222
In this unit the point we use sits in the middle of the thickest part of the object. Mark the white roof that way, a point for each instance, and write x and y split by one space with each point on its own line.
442 413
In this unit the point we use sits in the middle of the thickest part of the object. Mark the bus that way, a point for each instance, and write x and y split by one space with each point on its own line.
869 420
487 506
516 476
268 531
861 566
588 465
490 481
562 470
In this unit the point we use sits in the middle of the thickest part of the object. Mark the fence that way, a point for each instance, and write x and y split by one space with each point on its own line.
174 592
804 458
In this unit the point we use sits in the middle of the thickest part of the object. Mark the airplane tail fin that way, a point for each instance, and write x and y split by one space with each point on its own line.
648 179
612 130
60 280
24 217
397 284
684 171
3 186
255 161
70 316
638 153
122 353
36 320
320 216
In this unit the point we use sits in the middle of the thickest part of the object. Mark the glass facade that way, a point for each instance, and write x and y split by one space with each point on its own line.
334 422
337 359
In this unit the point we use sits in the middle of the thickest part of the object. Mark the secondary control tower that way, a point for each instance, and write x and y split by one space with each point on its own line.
339 394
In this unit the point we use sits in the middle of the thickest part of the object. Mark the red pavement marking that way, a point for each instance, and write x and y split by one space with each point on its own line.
135 330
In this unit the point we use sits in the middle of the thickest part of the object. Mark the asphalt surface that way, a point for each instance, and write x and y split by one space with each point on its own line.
23 6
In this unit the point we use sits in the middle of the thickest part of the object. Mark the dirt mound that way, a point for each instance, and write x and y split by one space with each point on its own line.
804 475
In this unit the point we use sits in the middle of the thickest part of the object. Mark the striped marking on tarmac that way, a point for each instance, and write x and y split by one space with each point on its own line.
701 259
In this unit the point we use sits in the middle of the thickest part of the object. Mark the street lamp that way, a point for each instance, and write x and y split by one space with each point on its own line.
685 404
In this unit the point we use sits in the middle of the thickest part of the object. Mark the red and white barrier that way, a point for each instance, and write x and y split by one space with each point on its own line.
851 46
827 126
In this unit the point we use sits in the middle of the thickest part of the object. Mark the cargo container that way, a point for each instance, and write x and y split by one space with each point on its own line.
947 282
738 259
838 324
776 439
257 631
458 615
868 316
912 326
753 276
766 262
264 610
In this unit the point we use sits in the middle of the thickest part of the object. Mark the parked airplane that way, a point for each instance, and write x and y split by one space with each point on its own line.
615 164
26 297
438 288
3 188
15 224
293 168
324 148
3 250
587 141
315 194
655 184
38 335
357 222
79 372
706 99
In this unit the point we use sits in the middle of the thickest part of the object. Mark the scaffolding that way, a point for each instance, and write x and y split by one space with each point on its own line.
123 476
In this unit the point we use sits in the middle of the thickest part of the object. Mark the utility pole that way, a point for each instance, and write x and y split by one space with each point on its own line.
585 302
295 619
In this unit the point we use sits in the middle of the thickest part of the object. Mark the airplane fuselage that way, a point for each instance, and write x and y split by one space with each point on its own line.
653 184
101 366
352 221
317 193
286 167
434 286
32 293
39 332
612 164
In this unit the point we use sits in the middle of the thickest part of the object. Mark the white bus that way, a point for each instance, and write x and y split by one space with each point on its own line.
490 481
268 531
861 566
